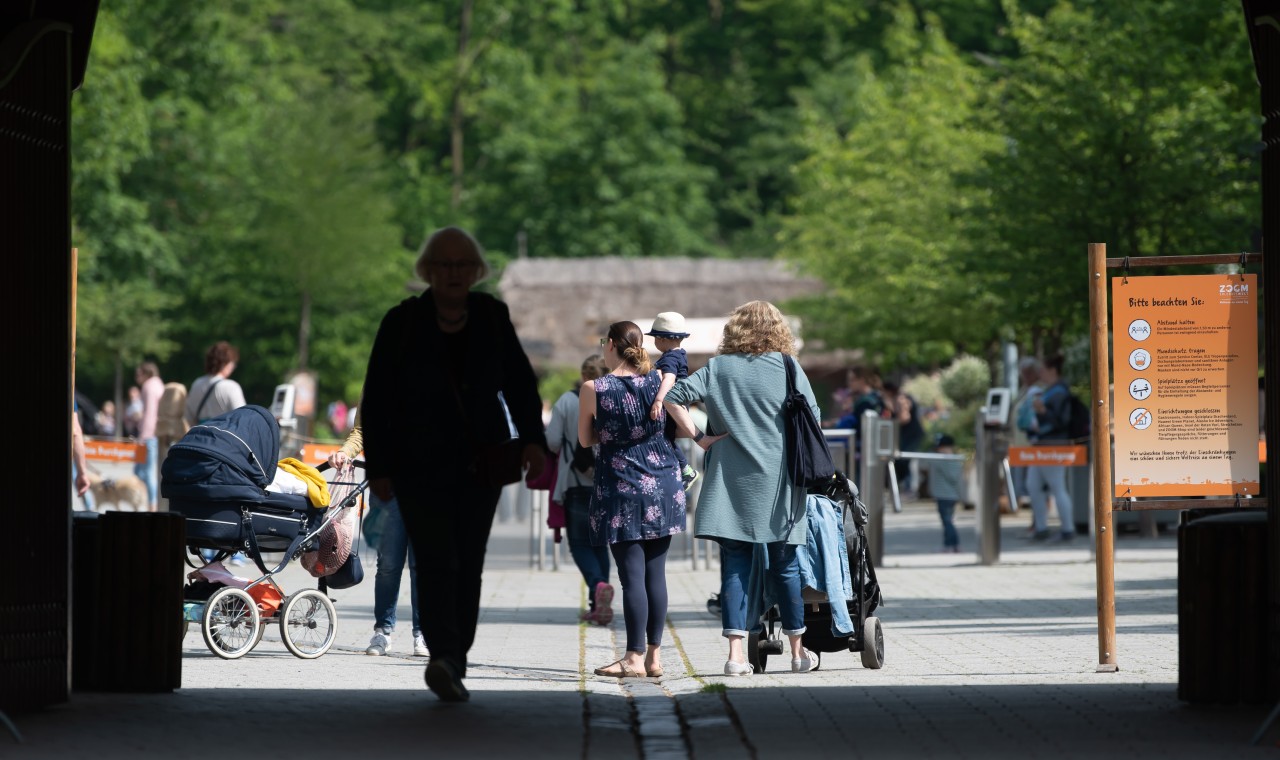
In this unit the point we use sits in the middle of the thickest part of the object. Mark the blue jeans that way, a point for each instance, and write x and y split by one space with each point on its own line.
592 561
393 548
146 471
782 576
947 511
1055 477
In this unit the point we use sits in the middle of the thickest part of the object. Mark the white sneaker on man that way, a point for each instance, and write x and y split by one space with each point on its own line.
378 644
420 646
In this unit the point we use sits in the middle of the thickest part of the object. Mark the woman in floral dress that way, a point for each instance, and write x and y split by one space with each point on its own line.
639 500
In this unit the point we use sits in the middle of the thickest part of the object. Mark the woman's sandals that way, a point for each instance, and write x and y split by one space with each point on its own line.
624 671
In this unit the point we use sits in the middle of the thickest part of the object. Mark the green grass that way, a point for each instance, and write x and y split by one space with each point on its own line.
713 688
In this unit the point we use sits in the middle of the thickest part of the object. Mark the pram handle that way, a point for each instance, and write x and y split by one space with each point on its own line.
326 466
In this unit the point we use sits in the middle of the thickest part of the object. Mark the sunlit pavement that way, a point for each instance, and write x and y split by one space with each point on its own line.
981 662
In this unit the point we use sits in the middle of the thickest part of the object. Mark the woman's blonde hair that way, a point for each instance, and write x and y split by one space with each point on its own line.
757 328
628 341
430 251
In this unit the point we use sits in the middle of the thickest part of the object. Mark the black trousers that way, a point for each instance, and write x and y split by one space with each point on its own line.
448 525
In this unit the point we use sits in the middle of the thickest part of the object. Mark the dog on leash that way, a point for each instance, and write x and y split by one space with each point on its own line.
127 494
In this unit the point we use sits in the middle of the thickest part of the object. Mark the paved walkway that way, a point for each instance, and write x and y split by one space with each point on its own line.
980 662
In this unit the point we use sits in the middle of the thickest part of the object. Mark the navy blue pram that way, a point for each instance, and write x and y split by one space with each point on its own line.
217 478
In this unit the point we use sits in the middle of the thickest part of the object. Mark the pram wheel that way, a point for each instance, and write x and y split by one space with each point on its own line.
308 624
231 624
872 644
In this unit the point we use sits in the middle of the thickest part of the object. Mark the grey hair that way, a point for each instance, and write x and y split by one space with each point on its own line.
1028 362
430 250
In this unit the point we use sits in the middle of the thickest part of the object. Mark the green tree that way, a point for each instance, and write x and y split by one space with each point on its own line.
1114 134
882 210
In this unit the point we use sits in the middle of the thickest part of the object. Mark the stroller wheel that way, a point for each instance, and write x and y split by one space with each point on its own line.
872 644
230 623
755 654
308 624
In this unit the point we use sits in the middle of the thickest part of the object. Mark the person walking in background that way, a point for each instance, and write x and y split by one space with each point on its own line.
945 485
132 412
147 376
668 332
910 431
214 392
79 462
1053 426
573 491
1024 417
393 550
639 499
864 387
448 395
107 418
747 499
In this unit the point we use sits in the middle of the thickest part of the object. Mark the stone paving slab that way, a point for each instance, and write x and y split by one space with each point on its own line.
980 662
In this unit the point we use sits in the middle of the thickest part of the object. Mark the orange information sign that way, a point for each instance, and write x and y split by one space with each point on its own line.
1061 456
105 450
315 453
1185 359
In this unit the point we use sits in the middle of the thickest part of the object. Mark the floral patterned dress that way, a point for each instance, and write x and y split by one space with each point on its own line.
638 492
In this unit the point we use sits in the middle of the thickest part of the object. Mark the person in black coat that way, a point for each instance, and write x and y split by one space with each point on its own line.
451 413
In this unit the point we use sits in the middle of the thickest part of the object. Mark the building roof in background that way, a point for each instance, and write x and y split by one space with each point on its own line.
562 307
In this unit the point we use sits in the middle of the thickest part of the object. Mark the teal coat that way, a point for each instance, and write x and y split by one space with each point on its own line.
746 495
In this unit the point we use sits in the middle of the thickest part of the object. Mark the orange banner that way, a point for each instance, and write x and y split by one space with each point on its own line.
105 450
1185 363
315 453
1034 456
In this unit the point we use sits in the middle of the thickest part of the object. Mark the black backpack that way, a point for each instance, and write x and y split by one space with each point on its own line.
808 458
1080 424
582 458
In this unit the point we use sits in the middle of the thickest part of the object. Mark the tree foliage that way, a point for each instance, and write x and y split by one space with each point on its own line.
263 171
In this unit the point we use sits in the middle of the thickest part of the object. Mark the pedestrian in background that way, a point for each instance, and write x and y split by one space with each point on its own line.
945 485
1024 420
132 412
639 499
573 492
151 386
1053 426
214 392
393 551
448 395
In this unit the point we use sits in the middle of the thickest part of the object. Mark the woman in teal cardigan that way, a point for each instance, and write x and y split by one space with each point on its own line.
747 498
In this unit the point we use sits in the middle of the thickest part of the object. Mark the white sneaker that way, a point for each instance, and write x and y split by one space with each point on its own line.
378 644
804 664
732 668
420 646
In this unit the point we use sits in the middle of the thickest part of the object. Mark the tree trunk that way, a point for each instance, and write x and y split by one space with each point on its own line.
456 122
119 394
304 331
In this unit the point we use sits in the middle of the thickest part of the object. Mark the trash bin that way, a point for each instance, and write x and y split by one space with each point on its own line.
1222 608
127 622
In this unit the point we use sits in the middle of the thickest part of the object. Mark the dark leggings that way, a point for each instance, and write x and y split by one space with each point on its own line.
642 571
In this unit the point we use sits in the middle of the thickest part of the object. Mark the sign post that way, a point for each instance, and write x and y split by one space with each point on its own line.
1104 532
1184 402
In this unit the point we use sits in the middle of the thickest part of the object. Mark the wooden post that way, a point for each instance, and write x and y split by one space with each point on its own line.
1100 382
75 279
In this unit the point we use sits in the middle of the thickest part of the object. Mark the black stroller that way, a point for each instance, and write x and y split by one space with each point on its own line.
217 478
868 636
